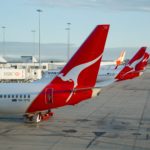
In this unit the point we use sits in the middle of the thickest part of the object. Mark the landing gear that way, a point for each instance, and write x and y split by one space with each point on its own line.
38 117
32 118
47 115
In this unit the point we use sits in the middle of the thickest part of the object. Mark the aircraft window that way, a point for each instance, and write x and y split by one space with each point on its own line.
1 96
28 96
5 96
24 96
8 96
12 96
20 96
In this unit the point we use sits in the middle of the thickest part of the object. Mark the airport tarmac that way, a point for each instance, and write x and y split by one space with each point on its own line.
118 119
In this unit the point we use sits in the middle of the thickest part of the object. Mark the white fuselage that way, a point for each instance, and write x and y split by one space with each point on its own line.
15 98
108 73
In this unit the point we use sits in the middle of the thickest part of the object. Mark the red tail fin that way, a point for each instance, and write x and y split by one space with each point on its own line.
135 66
82 69
141 66
76 80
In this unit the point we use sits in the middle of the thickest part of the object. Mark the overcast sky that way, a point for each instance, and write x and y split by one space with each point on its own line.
129 20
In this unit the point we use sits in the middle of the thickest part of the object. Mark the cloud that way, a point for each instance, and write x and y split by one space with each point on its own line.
118 5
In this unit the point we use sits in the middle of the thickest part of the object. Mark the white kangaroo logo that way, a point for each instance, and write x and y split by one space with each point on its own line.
133 65
73 74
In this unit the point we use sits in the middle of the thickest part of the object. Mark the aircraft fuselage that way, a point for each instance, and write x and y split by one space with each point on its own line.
15 98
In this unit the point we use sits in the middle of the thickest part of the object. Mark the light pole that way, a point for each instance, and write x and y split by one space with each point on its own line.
68 40
3 27
39 11
33 32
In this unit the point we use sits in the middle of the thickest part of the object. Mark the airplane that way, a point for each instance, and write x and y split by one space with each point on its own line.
108 73
72 85
112 73
134 68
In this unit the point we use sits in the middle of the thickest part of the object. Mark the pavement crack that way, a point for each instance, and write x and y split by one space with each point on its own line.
5 132
97 135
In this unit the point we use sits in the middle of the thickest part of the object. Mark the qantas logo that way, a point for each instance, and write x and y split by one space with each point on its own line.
73 74
133 65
